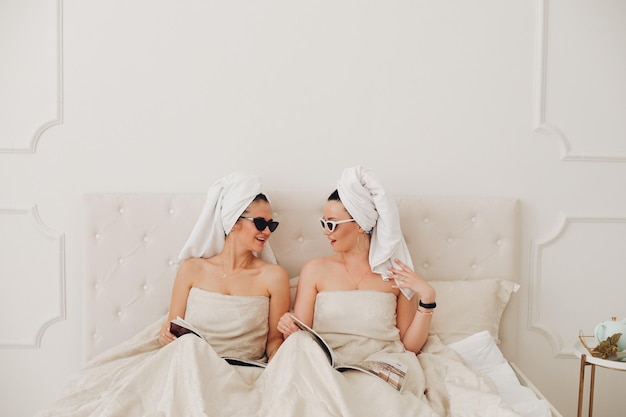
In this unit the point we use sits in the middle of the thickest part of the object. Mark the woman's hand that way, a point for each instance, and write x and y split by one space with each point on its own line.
406 278
165 337
287 326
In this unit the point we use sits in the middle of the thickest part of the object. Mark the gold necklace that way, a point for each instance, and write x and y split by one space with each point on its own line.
356 283
225 274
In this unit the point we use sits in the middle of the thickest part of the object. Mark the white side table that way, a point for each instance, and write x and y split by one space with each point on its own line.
587 360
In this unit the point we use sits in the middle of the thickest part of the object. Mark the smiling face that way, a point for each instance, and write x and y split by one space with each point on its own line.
343 237
246 229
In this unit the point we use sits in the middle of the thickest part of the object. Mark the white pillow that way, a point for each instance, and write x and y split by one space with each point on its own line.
479 352
468 307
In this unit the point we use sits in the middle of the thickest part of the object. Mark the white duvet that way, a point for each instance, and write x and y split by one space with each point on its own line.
189 378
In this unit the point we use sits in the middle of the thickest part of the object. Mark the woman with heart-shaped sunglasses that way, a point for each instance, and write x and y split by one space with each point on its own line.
227 295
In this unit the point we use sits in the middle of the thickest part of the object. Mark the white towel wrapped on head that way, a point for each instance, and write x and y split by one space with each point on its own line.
368 203
226 200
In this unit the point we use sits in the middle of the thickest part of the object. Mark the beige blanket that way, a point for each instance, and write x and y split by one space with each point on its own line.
359 325
189 378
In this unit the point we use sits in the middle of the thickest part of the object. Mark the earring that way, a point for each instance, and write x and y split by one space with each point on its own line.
358 241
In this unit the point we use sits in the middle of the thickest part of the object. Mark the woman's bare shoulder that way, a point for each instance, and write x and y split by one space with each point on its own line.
320 262
318 266
274 270
195 269
194 264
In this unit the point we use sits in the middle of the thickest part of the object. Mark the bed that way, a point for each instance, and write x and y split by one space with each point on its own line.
467 247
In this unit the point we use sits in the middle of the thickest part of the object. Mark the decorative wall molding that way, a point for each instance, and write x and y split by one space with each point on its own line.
535 321
56 274
540 123
25 145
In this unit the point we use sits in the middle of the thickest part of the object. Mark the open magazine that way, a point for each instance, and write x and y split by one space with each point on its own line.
390 371
179 327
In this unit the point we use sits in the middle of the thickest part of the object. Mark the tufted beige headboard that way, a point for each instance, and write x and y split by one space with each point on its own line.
132 243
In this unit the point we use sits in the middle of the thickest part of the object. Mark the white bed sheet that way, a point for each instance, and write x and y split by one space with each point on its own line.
481 354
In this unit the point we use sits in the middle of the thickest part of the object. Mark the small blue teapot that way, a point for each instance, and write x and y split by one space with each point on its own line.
607 329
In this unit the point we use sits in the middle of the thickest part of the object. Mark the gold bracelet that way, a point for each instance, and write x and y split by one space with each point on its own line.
426 313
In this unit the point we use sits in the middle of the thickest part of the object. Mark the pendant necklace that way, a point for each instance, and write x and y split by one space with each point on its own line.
225 274
353 280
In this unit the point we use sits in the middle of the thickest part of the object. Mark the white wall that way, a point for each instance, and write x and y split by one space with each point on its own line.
518 98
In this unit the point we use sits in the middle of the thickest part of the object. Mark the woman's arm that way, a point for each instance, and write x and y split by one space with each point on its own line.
413 321
306 293
304 305
279 292
180 292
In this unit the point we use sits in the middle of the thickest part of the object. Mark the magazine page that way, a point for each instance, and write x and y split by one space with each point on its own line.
179 327
390 371
318 339
245 362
